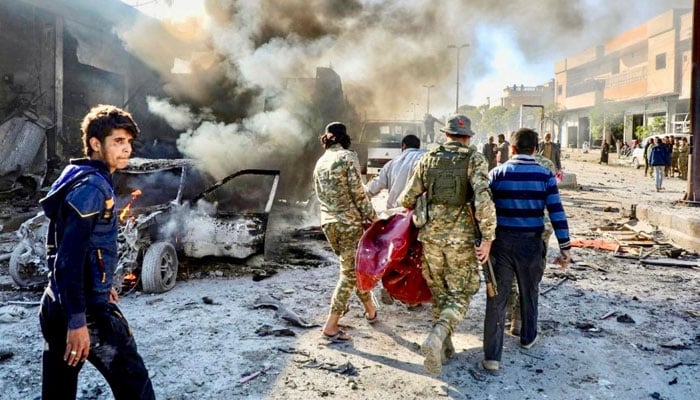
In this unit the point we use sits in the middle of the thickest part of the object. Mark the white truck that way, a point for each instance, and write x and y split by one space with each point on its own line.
380 141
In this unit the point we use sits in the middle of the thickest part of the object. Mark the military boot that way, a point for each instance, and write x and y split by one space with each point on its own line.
432 349
448 349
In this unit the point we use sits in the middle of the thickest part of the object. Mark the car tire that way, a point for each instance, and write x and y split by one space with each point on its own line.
25 275
159 268
635 163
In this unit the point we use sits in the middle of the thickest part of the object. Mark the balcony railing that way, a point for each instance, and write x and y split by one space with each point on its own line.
625 78
587 86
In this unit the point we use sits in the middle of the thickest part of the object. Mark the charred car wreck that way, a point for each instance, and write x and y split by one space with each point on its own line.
168 207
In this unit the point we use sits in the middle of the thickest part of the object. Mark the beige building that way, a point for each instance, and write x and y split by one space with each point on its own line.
640 74
517 95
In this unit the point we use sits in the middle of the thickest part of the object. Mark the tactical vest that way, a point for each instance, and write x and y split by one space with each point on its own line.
448 178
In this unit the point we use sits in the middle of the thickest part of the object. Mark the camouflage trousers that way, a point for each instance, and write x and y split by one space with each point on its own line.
452 274
343 239
683 167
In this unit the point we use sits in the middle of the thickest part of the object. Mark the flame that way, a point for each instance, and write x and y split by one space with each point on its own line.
125 212
130 277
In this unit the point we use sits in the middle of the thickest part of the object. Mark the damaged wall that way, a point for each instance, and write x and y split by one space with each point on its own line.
61 57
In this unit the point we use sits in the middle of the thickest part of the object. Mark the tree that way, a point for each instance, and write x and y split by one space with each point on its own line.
606 122
555 114
495 120
658 124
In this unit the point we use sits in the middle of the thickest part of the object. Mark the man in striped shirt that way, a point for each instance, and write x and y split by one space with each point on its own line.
521 190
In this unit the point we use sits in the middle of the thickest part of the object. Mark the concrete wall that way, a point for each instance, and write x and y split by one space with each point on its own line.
683 230
64 56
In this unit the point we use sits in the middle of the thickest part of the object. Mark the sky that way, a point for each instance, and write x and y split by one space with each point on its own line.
231 104
510 42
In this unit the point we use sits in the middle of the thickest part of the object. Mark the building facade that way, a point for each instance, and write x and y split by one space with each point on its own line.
640 75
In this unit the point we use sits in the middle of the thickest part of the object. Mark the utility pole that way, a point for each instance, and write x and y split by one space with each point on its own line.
458 48
427 108
692 194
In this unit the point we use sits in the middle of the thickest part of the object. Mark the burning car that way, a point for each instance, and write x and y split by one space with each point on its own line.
169 207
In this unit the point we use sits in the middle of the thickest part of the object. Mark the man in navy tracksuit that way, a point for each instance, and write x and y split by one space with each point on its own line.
521 190
79 318
659 159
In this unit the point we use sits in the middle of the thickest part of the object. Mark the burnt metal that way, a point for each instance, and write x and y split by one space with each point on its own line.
178 211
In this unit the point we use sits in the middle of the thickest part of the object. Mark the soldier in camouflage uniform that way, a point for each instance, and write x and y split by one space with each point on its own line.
452 175
683 152
344 208
513 305
675 153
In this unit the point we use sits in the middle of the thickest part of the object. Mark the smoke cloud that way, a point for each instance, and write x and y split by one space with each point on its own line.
234 108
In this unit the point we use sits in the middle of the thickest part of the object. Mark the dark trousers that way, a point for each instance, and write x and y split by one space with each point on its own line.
513 255
112 351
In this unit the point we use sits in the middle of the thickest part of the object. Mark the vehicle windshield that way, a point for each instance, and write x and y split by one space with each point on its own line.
389 132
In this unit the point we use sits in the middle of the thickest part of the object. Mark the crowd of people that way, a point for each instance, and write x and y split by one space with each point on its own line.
665 157
467 195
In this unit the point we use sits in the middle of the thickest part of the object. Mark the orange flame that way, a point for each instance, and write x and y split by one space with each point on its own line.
130 277
125 212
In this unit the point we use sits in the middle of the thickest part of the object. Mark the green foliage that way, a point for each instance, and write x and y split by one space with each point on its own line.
642 132
658 125
495 120
606 118
654 126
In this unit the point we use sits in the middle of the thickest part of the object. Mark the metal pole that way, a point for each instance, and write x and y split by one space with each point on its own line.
452 46
457 94
427 108
692 195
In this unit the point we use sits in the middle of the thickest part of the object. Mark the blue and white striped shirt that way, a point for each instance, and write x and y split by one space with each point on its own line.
521 190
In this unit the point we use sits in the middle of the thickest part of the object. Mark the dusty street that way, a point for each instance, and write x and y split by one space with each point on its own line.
618 331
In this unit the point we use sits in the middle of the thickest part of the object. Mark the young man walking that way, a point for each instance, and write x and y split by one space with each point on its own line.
79 318
522 189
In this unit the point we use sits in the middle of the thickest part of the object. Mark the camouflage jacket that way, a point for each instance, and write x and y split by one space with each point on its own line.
545 162
453 224
338 186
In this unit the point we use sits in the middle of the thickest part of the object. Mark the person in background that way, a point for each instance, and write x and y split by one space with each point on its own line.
604 152
522 189
393 177
429 122
659 159
345 207
453 176
668 142
79 318
675 153
503 149
647 167
683 153
489 151
550 150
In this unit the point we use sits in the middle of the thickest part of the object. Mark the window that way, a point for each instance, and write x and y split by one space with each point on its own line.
661 61
560 90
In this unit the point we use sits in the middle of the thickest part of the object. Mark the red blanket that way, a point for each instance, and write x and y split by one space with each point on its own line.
389 250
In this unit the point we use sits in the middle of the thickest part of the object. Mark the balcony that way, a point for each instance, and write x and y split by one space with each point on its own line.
626 78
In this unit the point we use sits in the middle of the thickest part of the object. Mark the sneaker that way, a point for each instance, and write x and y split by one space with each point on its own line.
529 345
490 365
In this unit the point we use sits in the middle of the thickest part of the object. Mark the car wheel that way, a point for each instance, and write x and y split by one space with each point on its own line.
25 274
635 163
159 268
